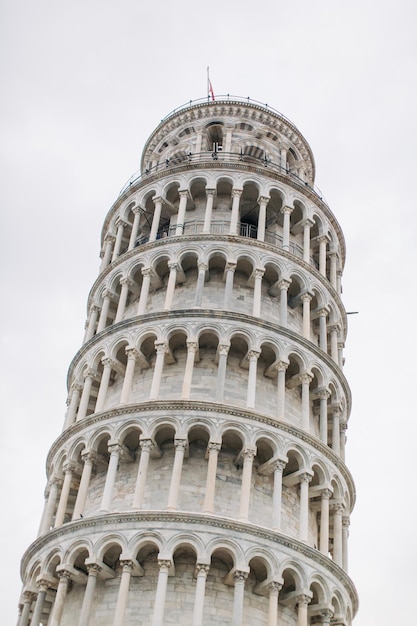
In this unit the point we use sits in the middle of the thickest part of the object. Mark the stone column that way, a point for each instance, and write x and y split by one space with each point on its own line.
336 431
61 593
326 616
230 271
93 571
173 267
307 224
239 578
234 219
322 254
202 269
302 613
88 458
286 211
144 292
108 240
137 211
323 328
28 598
129 372
119 236
340 347
46 521
73 405
274 589
339 281
125 283
221 372
343 429
281 369
102 322
209 208
127 567
337 534
283 155
257 292
43 586
108 365
146 446
263 201
324 521
306 299
345 537
180 446
213 454
283 301
253 357
334 332
157 372
305 379
116 452
63 500
277 494
202 571
161 589
92 321
304 506
248 456
156 218
181 212
333 270
192 347
89 376
324 394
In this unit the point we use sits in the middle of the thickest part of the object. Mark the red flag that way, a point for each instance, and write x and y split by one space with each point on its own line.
211 92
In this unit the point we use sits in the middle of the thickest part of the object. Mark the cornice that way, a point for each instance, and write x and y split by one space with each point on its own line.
191 519
181 406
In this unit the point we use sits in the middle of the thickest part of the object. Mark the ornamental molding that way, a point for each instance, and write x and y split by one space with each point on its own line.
182 407
123 520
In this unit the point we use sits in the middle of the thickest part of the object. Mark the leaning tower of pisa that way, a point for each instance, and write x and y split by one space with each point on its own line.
199 478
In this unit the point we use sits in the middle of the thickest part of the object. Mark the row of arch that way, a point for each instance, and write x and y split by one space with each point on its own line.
193 360
219 278
257 585
223 205
266 479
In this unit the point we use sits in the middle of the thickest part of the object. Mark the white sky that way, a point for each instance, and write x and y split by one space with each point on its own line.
84 84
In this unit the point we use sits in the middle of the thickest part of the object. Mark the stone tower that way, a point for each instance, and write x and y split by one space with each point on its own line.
200 475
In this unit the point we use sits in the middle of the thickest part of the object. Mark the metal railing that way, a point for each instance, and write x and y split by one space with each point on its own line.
222 227
224 158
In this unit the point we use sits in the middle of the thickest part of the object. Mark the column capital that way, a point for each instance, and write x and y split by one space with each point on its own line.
213 445
127 565
192 346
137 210
146 444
164 564
284 283
279 464
107 361
89 372
236 192
230 266
240 576
203 568
333 256
345 522
323 238
326 494
223 349
259 272
305 478
323 312
303 598
89 455
264 199
286 209
202 266
275 587
323 394
126 281
121 222
253 355
69 467
334 328
107 293
180 444
93 569
146 271
131 353
210 191
173 265
160 347
306 297
306 377
64 575
249 453
115 449
43 584
183 193
94 308
109 238
281 366
337 508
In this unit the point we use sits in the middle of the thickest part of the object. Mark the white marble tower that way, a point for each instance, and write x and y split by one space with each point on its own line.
200 475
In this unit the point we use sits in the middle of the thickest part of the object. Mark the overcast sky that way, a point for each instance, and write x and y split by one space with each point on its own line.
84 84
